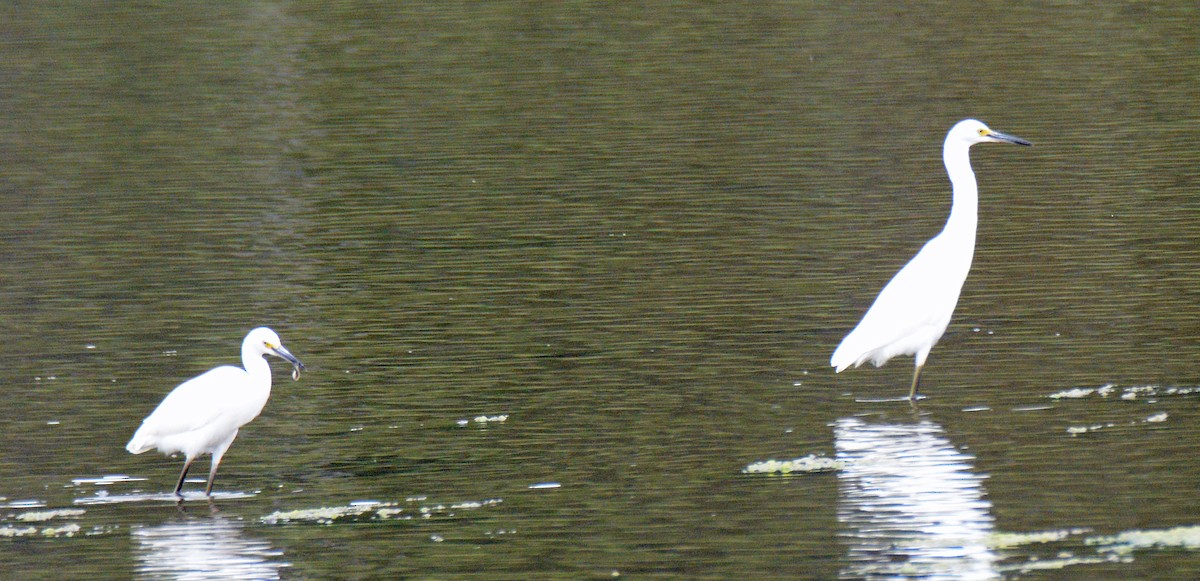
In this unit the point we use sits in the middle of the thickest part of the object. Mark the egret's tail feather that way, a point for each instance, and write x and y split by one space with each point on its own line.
840 366
844 358
139 444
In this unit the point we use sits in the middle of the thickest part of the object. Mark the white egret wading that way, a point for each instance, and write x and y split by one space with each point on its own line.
203 414
914 309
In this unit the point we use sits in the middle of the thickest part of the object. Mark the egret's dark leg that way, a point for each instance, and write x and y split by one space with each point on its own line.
212 475
912 393
179 487
217 454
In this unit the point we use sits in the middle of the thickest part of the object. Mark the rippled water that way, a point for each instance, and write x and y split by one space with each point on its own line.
561 272
910 504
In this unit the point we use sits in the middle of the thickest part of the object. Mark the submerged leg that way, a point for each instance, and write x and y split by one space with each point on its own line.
179 486
912 393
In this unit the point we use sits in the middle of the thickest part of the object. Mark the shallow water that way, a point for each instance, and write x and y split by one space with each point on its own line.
561 273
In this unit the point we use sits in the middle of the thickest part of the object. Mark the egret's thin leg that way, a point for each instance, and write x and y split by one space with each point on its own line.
912 393
212 474
179 487
217 454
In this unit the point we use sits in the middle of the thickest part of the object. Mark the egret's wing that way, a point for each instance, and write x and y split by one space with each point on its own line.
197 402
916 305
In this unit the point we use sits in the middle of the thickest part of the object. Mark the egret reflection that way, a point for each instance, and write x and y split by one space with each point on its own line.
204 548
909 504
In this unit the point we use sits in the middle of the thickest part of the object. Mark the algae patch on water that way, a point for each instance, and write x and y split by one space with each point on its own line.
320 515
1154 419
1124 393
1185 537
1001 540
807 465
374 510
484 420
1118 548
25 529
45 515
67 530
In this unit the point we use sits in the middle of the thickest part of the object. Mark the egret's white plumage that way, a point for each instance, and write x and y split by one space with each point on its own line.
914 309
203 414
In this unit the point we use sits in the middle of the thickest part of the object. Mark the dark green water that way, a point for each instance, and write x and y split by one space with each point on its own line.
636 231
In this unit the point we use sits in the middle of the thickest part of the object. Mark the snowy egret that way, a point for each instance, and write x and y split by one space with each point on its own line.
203 414
914 309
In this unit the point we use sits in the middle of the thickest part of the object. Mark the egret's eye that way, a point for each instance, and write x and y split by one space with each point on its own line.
983 132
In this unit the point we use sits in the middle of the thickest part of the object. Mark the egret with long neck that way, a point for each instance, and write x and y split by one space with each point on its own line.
914 309
203 414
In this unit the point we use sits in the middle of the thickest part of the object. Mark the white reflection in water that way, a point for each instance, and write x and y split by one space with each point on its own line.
909 505
204 548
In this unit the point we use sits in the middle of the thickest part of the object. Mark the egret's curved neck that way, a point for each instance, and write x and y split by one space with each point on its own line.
964 212
256 365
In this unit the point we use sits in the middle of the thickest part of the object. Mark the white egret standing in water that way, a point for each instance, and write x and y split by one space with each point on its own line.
203 414
914 309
